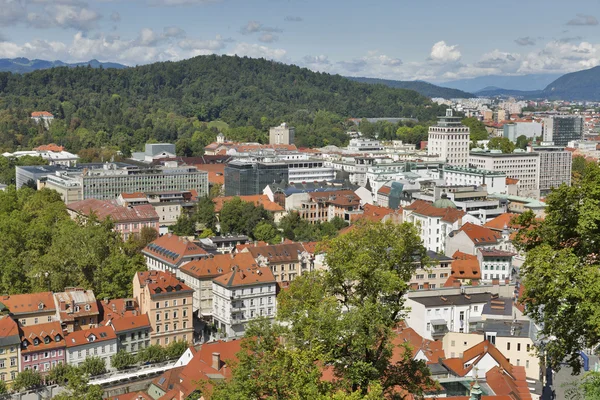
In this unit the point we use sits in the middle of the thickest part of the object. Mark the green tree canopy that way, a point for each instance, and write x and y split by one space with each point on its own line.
477 129
522 142
503 144
27 379
122 360
93 366
241 217
561 271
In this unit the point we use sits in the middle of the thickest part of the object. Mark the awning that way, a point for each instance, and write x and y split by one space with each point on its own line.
438 322
475 319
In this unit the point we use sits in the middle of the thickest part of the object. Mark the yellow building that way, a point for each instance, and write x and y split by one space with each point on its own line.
9 349
168 303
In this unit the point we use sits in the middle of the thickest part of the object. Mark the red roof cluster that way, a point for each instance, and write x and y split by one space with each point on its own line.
449 214
105 209
161 282
173 249
257 200
479 234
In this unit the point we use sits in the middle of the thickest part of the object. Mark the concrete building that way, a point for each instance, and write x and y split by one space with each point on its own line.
495 264
10 343
30 174
282 134
31 308
449 140
133 332
69 189
435 315
524 166
555 167
63 158
309 170
494 181
96 342
77 309
561 129
43 347
530 130
286 260
242 295
168 303
155 151
363 144
199 275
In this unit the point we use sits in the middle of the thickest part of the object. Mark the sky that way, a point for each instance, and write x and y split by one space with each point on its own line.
428 40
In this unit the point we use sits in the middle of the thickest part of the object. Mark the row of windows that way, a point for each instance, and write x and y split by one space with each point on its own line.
166 315
88 352
140 335
166 340
37 320
173 302
46 354
13 362
166 327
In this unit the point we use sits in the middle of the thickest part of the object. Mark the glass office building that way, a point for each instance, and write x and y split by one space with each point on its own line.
244 178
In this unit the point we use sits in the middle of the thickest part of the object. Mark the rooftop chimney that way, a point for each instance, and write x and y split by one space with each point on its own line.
216 361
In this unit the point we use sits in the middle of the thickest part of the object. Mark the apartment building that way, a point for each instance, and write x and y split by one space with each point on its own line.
325 206
449 140
168 303
77 309
43 347
131 327
524 166
282 134
470 237
242 295
432 276
30 309
96 342
434 223
494 181
286 261
10 341
199 276
561 129
495 264
555 167
169 252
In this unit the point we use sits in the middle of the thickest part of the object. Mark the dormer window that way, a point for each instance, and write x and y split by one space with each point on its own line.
76 308
57 338
25 343
87 307
36 341
41 306
47 339
91 338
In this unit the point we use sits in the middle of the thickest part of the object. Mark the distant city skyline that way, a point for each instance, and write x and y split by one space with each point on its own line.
428 40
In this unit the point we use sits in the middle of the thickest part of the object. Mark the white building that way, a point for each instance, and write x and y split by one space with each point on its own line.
434 223
96 342
360 145
530 130
42 117
53 157
524 166
155 151
449 140
308 170
495 264
242 295
436 315
494 181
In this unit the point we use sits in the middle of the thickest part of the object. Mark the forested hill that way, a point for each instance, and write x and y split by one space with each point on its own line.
424 88
168 101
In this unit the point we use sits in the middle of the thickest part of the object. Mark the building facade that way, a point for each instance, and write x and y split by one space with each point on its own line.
31 309
10 341
77 309
97 342
43 347
282 134
244 178
555 167
494 181
242 295
133 333
562 129
286 261
432 276
169 252
522 166
449 140
168 303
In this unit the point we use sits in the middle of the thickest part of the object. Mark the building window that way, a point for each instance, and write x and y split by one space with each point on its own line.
157 305
428 327
175 302
518 346
166 303
508 346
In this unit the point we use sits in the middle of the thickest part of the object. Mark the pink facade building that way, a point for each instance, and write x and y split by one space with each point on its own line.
42 347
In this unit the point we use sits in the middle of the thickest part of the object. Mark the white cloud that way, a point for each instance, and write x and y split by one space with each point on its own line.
69 14
197 45
583 20
441 52
256 27
258 51
174 32
268 38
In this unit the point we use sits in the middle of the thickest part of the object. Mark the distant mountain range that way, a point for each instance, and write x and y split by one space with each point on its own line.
424 88
23 65
523 82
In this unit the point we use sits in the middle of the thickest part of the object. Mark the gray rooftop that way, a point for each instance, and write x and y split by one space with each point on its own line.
518 328
456 299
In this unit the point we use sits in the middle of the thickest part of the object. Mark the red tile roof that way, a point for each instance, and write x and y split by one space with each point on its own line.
376 213
8 328
340 198
432 350
216 172
41 114
245 277
94 335
117 308
258 243
511 181
75 303
257 200
500 222
459 255
479 234
136 195
173 249
217 265
449 214
52 330
131 396
515 388
385 190
278 253
162 282
466 269
473 355
18 304
131 323
106 209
